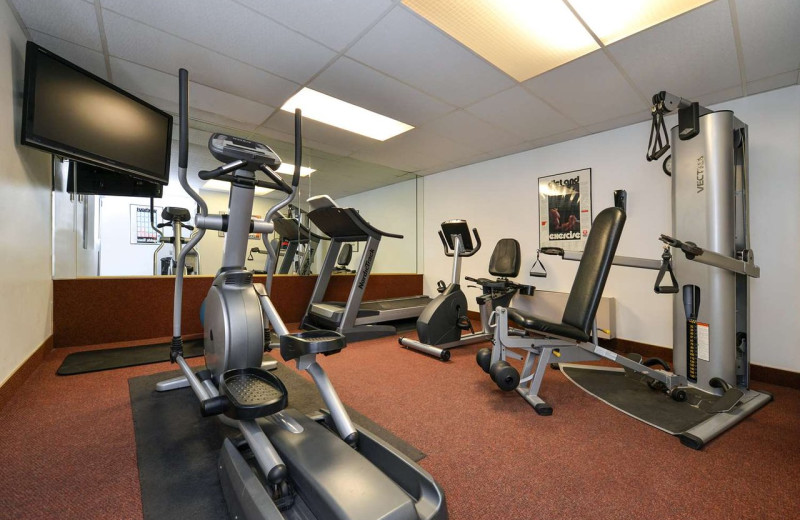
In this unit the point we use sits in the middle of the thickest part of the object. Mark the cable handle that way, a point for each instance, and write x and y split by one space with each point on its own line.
538 274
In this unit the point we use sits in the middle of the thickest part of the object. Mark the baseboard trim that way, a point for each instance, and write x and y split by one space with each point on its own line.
15 381
773 376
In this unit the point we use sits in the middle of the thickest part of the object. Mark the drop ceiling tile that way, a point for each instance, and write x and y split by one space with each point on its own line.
511 149
772 82
560 138
202 117
355 83
196 137
90 60
465 128
414 150
334 24
720 96
232 30
588 90
520 112
138 43
71 20
144 81
337 141
470 160
689 56
770 34
407 48
619 122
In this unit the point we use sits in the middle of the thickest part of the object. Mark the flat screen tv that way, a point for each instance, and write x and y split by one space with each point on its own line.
72 113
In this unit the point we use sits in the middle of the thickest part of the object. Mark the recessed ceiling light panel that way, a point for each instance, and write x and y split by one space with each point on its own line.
288 169
225 187
613 20
522 38
341 114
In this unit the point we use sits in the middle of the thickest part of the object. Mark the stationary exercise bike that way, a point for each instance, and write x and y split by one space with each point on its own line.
442 323
175 218
287 465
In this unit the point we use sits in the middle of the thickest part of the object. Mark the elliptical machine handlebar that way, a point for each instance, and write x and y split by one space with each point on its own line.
272 255
220 171
470 252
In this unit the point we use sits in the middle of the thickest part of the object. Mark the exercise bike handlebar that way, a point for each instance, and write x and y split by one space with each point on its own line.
449 252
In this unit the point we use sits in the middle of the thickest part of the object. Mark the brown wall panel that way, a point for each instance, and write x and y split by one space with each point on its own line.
91 311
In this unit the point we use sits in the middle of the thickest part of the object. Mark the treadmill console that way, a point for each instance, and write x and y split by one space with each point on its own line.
457 227
227 148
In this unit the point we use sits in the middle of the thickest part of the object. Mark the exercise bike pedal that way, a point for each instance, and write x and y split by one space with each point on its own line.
249 393
299 344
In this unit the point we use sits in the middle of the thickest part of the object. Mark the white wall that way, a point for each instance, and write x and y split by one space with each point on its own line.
26 287
499 197
392 209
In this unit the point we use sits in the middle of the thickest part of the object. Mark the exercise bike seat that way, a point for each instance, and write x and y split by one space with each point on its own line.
174 213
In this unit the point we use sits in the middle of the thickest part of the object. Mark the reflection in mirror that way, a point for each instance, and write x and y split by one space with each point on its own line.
104 235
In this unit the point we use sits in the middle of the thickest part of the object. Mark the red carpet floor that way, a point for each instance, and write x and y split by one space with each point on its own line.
68 448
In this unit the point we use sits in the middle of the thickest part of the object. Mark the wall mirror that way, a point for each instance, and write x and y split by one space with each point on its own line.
106 235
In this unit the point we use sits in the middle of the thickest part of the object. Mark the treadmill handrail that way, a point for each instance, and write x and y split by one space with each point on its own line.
321 217
301 234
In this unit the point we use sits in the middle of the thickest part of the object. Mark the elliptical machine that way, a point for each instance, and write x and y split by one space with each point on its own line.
441 324
288 465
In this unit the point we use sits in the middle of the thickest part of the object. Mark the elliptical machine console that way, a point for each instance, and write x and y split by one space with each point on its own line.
227 148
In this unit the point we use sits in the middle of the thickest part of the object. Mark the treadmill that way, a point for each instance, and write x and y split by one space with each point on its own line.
296 233
355 319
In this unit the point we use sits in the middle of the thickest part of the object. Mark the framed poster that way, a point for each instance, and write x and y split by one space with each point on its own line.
565 209
141 232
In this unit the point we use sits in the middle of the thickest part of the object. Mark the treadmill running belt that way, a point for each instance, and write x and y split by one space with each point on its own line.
395 303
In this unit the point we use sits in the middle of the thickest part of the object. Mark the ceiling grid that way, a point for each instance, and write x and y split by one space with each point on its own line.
385 57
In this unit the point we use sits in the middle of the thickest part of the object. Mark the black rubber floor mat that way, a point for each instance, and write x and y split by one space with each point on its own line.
636 399
109 359
177 448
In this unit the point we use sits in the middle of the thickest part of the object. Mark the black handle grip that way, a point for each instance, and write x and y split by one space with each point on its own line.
657 155
298 146
477 243
691 301
222 170
183 114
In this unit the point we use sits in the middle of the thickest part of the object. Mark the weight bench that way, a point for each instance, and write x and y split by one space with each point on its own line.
567 341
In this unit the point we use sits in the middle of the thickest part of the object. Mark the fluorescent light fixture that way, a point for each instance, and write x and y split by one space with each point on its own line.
218 185
288 169
613 20
525 38
522 38
335 112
